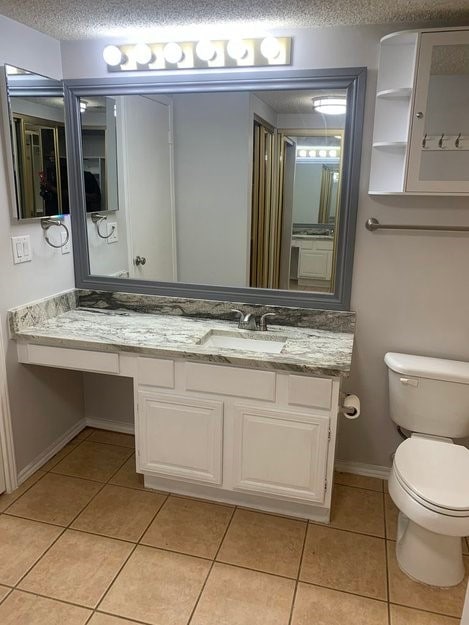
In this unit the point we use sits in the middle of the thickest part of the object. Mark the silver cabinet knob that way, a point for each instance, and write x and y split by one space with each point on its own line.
140 260
419 115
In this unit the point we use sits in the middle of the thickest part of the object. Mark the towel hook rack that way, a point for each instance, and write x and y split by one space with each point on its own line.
47 223
98 219
373 224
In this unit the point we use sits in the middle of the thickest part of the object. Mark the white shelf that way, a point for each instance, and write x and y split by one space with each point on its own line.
390 145
395 94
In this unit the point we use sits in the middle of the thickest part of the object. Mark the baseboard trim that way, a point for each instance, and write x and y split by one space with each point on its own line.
112 426
48 453
358 468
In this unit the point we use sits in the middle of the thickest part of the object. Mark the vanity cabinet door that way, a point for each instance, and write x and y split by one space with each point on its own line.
315 264
439 150
280 453
180 437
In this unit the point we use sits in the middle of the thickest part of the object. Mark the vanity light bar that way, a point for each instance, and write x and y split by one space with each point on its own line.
320 152
203 54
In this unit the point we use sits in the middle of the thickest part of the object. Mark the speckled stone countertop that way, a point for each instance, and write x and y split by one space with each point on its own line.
323 352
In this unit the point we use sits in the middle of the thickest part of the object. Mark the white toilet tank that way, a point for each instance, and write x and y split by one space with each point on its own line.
429 395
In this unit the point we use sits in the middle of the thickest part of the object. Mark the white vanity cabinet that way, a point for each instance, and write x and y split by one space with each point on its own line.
421 128
315 259
247 436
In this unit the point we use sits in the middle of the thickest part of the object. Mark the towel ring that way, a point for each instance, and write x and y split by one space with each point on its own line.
97 219
48 223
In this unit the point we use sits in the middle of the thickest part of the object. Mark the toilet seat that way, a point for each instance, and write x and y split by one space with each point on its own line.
435 473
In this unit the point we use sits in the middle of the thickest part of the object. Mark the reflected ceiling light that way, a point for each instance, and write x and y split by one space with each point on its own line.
173 52
330 105
302 153
312 153
205 50
113 56
322 153
143 53
270 48
236 49
83 106
333 153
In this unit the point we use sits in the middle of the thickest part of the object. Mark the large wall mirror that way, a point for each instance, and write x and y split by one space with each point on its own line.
34 124
245 188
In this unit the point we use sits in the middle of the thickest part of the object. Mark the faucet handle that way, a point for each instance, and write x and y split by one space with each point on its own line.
239 312
263 321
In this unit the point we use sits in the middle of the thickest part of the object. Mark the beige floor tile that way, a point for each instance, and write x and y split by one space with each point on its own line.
321 606
157 587
189 526
234 596
21 608
409 616
84 434
360 481
93 461
78 568
8 498
120 512
405 591
113 438
391 512
99 618
358 510
22 543
50 464
345 561
268 543
128 476
55 499
4 590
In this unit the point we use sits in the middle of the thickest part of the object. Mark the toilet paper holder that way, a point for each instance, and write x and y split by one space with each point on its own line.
350 406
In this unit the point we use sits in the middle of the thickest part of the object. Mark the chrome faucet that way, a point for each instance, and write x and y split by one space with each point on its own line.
249 322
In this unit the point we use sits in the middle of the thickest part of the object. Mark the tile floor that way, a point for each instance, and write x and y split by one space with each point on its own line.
82 542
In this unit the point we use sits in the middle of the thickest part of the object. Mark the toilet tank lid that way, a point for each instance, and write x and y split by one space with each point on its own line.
425 367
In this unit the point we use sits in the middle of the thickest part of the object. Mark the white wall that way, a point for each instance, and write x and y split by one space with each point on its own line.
307 193
44 402
211 163
409 289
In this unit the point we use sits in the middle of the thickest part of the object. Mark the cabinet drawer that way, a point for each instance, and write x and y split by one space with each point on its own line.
311 392
280 453
66 358
230 381
155 372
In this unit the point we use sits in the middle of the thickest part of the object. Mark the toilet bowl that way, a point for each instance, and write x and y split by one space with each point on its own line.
429 481
429 484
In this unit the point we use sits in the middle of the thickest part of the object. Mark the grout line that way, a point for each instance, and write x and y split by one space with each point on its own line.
212 565
388 588
298 576
29 488
373 490
343 529
64 601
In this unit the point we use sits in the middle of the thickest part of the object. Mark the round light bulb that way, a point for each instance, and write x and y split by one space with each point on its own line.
302 153
330 105
236 49
173 52
113 56
312 153
333 153
322 153
143 53
270 48
83 106
205 50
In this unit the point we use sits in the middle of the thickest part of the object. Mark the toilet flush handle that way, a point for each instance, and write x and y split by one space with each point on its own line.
409 381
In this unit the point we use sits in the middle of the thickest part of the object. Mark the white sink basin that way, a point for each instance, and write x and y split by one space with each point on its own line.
245 341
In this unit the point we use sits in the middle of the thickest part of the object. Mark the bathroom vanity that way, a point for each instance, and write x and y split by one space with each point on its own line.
240 416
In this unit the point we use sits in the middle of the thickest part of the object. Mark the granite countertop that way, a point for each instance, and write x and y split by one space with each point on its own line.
307 350
318 237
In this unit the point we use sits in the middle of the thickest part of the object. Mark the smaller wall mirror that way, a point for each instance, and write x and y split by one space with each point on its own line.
33 108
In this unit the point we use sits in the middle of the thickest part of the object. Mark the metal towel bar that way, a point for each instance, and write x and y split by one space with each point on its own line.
373 224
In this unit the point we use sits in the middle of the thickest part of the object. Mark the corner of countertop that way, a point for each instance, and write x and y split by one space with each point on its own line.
38 311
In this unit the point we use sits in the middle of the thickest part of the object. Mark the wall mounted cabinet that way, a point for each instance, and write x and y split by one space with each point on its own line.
421 128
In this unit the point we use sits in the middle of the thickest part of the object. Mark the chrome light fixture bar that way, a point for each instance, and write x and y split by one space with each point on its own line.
203 54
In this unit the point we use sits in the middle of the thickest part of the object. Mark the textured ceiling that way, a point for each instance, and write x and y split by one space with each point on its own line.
297 102
79 19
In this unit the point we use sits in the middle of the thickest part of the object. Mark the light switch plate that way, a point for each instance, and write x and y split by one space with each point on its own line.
115 235
21 248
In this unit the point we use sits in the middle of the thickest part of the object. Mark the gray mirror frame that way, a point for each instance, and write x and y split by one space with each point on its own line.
353 79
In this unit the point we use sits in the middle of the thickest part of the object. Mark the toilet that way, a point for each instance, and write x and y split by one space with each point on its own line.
429 481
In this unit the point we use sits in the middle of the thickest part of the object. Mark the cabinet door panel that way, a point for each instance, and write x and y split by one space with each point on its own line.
314 264
439 151
180 437
280 453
